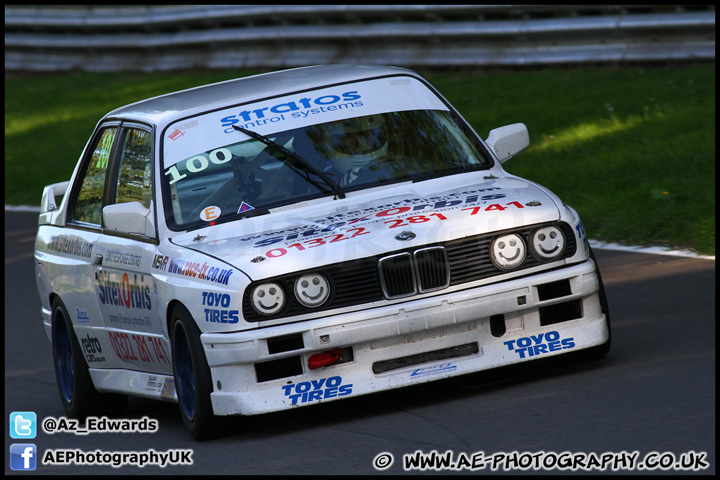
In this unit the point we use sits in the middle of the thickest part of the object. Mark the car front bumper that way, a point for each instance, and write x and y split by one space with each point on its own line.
513 321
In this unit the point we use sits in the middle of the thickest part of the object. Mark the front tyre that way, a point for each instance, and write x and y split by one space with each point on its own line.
77 392
193 382
598 352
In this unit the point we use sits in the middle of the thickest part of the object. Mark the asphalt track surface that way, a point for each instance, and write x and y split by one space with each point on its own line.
654 392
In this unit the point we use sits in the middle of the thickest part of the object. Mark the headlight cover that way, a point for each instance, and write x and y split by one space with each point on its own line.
312 289
548 242
267 299
508 251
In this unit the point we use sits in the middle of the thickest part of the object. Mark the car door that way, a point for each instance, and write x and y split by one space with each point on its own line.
127 294
68 251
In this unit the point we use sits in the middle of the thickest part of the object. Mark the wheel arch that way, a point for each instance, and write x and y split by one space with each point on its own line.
52 297
171 306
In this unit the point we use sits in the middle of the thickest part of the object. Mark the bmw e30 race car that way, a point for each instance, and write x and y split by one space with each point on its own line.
299 237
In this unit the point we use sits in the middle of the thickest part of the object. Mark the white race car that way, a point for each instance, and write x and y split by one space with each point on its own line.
298 237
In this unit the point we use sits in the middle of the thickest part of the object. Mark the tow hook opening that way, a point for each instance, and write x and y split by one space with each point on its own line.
497 325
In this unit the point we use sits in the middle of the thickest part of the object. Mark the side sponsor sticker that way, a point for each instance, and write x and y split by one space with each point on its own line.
92 349
82 316
71 245
123 291
123 258
581 233
139 348
222 314
197 270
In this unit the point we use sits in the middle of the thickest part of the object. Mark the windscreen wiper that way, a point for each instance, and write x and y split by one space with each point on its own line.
301 162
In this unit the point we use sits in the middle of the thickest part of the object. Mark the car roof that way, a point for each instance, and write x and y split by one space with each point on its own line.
164 109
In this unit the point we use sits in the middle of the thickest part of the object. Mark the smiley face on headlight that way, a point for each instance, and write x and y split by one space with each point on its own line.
512 247
312 289
268 299
508 251
548 242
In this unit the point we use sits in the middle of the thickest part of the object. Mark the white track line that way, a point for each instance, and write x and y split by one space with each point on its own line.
652 250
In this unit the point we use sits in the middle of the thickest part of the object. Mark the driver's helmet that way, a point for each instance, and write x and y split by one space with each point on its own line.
351 144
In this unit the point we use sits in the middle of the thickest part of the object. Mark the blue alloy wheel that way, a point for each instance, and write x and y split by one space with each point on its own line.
63 357
184 377
193 380
77 391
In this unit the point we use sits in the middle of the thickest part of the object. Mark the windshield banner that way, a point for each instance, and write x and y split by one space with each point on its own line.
213 130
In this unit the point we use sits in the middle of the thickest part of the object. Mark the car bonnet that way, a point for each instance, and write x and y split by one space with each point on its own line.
375 222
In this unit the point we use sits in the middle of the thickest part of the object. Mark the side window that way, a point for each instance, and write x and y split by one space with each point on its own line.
88 206
135 172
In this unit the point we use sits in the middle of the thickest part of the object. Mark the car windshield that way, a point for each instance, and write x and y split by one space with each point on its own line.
235 175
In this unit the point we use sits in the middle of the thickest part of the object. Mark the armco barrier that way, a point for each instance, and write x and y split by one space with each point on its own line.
156 38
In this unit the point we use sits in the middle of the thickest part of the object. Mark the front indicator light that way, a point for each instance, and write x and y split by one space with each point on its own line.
508 251
267 299
548 243
312 290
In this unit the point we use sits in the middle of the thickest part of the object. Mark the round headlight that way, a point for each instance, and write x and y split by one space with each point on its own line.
548 242
508 251
312 289
267 299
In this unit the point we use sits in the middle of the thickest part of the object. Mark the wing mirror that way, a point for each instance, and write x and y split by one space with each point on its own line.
508 141
131 218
